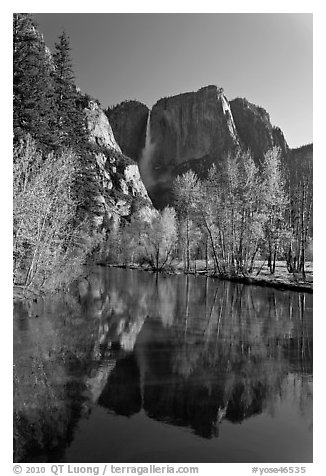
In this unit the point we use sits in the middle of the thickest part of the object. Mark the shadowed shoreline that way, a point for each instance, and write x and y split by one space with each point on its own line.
281 280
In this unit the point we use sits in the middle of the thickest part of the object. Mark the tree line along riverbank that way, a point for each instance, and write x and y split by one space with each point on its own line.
282 279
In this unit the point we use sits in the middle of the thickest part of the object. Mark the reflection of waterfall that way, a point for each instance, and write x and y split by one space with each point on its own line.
236 362
145 166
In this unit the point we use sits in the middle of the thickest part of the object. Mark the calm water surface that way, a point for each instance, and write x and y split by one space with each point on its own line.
133 367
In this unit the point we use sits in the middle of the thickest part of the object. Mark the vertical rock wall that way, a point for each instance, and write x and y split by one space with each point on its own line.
128 121
191 131
255 129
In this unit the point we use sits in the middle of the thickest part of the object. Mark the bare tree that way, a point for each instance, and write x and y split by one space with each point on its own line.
47 238
275 203
159 239
187 191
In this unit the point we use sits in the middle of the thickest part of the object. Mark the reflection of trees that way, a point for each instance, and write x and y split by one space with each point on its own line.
225 356
62 358
188 350
53 352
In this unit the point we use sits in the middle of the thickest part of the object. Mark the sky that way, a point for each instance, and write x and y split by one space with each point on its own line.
264 57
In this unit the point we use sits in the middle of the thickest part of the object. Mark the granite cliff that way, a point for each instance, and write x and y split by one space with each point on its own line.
300 174
120 191
99 128
128 121
255 129
301 158
190 131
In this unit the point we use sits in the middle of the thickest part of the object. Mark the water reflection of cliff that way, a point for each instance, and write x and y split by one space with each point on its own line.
188 351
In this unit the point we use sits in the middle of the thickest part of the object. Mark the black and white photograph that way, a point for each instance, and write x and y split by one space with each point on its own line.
162 183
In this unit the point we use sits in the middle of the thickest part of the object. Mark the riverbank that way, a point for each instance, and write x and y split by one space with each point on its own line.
281 279
21 293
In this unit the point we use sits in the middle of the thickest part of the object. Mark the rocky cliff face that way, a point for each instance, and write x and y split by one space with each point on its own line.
300 164
255 129
119 189
191 131
99 128
128 121
302 156
190 127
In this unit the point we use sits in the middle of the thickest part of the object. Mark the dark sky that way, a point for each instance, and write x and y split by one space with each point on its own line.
266 58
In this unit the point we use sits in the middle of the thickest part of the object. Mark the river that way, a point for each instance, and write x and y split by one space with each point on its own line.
135 367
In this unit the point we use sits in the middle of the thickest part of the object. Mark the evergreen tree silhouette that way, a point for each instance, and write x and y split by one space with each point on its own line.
34 108
70 121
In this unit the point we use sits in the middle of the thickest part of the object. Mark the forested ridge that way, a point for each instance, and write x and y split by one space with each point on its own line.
245 210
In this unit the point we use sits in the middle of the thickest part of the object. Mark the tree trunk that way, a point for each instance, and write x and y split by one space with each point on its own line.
289 260
274 260
269 260
206 256
188 247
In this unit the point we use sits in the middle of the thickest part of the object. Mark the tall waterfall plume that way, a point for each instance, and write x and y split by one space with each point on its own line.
229 118
145 166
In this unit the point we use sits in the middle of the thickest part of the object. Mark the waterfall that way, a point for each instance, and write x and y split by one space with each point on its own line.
148 139
230 121
145 167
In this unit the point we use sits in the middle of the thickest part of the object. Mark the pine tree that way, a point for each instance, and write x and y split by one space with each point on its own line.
70 126
70 121
33 100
